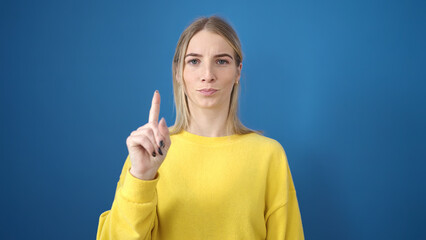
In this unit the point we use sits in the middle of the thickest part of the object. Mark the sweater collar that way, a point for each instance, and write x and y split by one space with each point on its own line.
208 140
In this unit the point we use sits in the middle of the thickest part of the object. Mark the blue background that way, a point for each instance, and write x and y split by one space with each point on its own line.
340 84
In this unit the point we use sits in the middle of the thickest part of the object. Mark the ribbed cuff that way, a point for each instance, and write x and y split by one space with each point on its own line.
137 190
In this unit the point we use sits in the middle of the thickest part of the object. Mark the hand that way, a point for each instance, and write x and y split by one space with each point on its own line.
148 145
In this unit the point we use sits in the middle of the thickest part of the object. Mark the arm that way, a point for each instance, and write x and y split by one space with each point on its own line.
133 212
283 220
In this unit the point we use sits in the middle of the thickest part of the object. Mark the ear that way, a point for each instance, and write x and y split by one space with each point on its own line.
237 80
178 80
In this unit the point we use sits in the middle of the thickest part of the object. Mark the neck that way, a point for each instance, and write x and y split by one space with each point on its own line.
208 122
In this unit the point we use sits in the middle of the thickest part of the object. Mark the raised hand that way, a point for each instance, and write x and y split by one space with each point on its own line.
148 145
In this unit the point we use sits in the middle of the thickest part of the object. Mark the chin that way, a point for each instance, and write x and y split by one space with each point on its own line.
208 105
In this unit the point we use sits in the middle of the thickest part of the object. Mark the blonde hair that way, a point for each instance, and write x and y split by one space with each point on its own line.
219 26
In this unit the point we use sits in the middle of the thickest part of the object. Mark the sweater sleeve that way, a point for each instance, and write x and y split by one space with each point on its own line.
133 212
283 219
285 222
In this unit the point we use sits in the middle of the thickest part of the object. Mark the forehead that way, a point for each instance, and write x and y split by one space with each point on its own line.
208 42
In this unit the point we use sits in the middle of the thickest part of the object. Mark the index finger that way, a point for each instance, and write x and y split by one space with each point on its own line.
155 108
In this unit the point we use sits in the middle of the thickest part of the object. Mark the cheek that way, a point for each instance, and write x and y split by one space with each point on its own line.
189 76
229 78
189 84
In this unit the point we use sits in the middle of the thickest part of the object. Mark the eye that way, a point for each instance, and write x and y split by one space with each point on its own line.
222 61
193 61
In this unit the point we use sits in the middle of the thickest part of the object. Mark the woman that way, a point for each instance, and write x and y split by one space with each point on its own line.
210 177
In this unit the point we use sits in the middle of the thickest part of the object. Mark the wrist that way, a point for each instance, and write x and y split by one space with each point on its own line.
148 175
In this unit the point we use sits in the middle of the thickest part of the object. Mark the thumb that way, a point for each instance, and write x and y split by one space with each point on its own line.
164 130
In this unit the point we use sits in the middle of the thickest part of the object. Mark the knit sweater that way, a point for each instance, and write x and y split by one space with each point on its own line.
232 187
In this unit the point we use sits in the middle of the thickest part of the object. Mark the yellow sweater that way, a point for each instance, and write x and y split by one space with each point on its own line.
233 187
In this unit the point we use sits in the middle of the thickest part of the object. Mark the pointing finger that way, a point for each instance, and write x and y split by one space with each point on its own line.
155 108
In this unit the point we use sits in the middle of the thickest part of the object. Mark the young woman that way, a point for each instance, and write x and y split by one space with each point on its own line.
210 177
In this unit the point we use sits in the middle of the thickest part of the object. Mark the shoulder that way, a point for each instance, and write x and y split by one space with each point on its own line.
264 143
263 140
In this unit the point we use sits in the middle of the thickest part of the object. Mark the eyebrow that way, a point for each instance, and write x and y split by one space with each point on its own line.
217 55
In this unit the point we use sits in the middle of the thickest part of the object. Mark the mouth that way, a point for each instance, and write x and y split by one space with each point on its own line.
207 91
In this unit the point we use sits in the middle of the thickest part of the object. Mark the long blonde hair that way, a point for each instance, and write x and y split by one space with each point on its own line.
219 26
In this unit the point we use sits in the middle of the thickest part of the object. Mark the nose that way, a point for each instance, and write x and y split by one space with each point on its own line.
208 73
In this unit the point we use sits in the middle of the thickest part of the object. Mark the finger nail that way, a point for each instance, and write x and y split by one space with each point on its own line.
153 154
162 144
160 152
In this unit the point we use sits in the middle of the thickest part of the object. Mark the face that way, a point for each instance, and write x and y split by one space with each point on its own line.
210 71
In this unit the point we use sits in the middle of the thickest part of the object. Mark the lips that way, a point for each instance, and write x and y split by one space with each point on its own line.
207 91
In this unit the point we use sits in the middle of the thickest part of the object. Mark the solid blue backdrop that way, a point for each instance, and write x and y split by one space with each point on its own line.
340 84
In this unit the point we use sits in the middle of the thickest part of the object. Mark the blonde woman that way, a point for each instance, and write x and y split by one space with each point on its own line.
208 176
